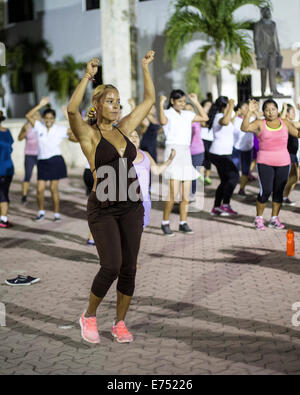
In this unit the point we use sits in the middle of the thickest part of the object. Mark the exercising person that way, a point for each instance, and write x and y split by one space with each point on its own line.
273 159
115 210
51 164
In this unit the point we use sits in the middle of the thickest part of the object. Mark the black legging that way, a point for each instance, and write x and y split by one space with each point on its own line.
117 232
229 176
207 162
272 179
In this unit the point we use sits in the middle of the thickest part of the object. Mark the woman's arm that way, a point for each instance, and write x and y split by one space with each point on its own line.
79 127
162 118
251 127
202 117
159 169
133 120
23 132
293 131
227 116
30 115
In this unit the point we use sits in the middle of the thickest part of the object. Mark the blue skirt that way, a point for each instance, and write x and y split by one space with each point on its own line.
52 169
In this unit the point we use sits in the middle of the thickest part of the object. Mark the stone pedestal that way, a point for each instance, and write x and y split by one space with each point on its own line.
116 18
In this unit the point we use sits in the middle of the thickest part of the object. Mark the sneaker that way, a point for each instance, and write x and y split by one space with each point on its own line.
167 230
201 178
89 329
121 333
184 228
288 202
207 181
215 212
227 211
259 223
56 219
90 242
275 224
24 200
22 280
242 193
5 224
39 217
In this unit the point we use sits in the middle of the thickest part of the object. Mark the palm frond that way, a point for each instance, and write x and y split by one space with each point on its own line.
180 29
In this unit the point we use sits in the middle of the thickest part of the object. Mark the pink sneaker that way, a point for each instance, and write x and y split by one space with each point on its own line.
275 224
89 330
215 212
259 223
227 211
121 333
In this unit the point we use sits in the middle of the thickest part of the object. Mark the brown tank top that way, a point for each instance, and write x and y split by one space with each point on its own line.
117 180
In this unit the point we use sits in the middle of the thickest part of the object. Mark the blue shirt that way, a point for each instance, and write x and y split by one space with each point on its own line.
6 163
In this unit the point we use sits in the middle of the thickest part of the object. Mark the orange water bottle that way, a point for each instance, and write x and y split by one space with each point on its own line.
290 245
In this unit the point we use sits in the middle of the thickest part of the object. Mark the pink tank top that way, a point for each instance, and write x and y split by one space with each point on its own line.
273 146
197 145
31 147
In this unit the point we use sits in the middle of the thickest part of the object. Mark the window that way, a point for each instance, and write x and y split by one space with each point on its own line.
245 89
20 11
92 4
24 84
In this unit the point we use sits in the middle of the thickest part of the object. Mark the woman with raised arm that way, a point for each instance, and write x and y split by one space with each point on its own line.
273 159
115 210
177 125
51 165
289 113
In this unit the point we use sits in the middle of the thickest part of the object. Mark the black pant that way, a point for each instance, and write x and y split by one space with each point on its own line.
229 176
117 232
272 179
207 162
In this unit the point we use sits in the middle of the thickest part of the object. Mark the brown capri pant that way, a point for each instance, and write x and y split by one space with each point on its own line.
117 232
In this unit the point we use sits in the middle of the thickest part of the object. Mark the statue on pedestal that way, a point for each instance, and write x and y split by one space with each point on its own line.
267 51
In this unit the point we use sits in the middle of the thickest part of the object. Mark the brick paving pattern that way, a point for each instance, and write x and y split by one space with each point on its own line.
215 302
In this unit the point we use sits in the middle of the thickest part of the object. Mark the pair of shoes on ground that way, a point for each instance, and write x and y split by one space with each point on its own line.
22 280
259 224
41 217
90 242
184 228
223 211
89 330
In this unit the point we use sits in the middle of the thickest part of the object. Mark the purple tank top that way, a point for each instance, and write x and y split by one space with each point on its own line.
143 172
197 145
143 169
31 145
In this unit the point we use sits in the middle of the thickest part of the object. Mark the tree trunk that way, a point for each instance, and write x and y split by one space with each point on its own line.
219 68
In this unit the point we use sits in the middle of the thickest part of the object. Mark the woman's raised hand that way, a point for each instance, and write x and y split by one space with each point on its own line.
148 58
163 99
44 101
92 67
193 97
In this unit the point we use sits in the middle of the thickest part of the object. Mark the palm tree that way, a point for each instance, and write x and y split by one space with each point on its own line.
27 56
63 77
224 35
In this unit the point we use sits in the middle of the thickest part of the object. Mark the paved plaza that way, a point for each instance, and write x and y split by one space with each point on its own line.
215 302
